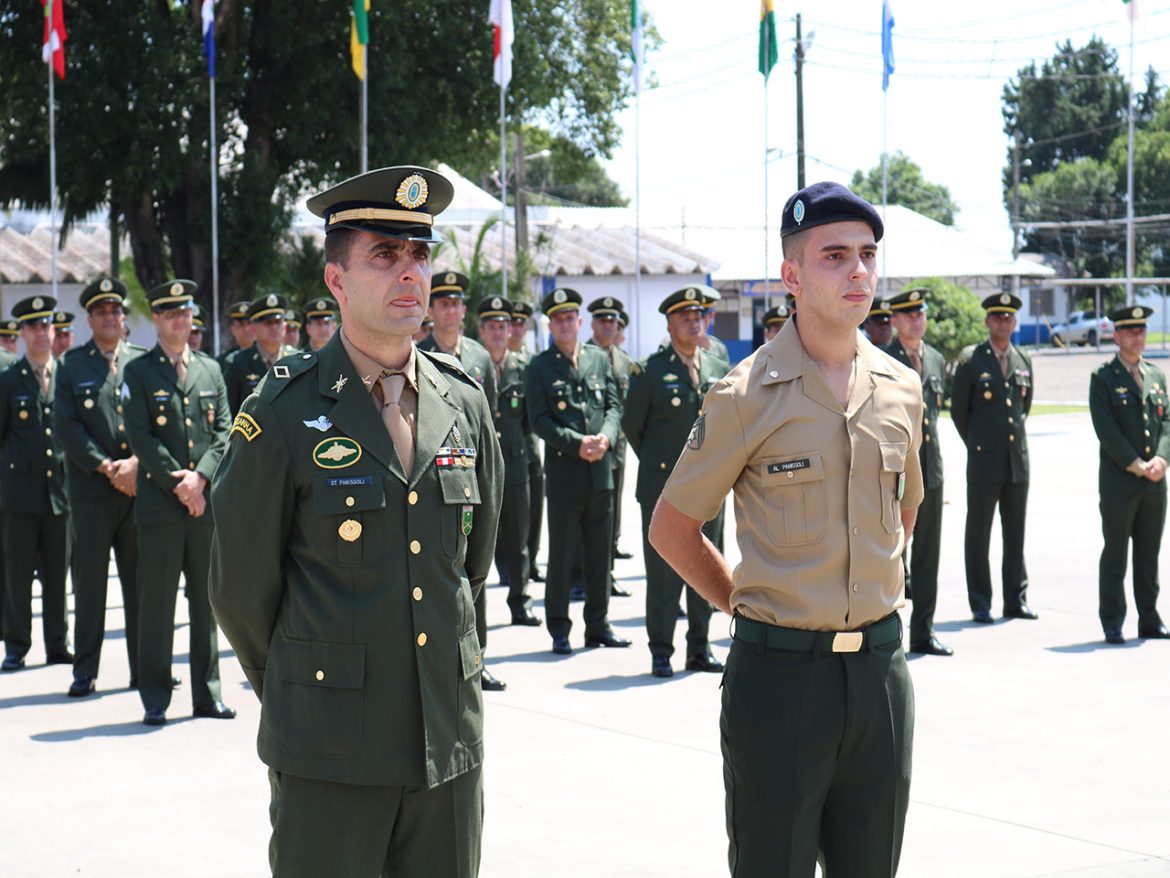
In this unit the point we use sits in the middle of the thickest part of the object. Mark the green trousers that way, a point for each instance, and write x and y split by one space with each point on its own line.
585 522
165 551
338 830
924 556
663 588
535 507
512 545
33 542
816 760
982 499
99 526
1140 517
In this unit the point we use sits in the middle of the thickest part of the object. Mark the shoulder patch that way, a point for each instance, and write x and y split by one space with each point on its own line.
246 426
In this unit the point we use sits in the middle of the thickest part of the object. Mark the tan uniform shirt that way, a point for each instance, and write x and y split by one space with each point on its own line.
371 371
818 489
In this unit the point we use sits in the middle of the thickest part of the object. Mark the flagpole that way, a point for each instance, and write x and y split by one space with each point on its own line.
885 182
52 155
767 273
364 113
1129 237
638 195
214 218
503 193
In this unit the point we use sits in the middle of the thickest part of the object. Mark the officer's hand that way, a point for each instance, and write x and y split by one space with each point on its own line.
586 452
190 486
197 506
1156 469
124 475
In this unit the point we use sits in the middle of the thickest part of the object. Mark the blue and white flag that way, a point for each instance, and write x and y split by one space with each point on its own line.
887 43
208 15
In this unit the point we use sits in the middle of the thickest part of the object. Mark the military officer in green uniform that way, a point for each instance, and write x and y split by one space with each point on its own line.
294 320
102 476
513 430
177 420
665 395
991 396
9 342
320 322
774 320
707 341
32 480
62 333
244 371
877 326
370 476
243 332
198 327
908 312
574 407
521 316
1130 406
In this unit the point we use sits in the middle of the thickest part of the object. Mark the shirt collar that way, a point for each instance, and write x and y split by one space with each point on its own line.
370 370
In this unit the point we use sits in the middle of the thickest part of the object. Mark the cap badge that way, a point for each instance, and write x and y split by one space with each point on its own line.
38 302
320 304
412 192
608 302
497 303
915 296
450 278
176 289
691 294
798 211
560 297
271 301
1138 312
106 285
1005 299
885 304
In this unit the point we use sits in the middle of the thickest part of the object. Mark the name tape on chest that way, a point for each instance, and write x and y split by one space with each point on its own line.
349 481
788 466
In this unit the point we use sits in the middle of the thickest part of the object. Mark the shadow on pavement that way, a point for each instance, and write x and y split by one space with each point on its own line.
963 625
110 730
615 682
1093 646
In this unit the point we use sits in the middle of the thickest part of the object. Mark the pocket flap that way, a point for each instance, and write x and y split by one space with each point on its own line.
894 456
318 663
794 469
459 486
469 654
336 495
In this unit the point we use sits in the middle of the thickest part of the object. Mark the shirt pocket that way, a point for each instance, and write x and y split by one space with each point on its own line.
893 480
460 490
349 510
794 496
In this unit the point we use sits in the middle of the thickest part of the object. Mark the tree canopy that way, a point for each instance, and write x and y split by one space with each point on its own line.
906 185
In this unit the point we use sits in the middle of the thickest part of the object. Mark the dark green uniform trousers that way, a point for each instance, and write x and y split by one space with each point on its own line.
35 542
663 588
535 509
579 522
924 555
100 525
512 545
619 481
165 551
339 830
816 756
1142 518
982 498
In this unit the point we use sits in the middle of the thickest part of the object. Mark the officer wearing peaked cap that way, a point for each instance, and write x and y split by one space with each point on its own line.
9 342
294 321
320 321
177 422
243 332
370 477
991 395
877 326
198 327
62 332
521 315
268 315
1130 407
574 406
32 481
90 423
774 320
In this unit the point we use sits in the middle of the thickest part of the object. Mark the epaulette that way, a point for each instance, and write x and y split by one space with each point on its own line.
635 368
283 373
450 363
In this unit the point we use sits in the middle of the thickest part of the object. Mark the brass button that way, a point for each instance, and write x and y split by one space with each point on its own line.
856 587
118 410
161 420
1008 401
349 501
190 443
49 432
49 473
926 422
412 497
121 428
320 675
1147 432
662 466
1011 437
675 401
48 452
187 421
88 403
123 446
562 405
925 438
467 490
416 593
415 547
475 661
422 638
791 475
186 401
1011 421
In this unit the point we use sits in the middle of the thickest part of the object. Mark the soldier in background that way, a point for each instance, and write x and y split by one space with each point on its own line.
9 341
449 309
242 330
1130 407
707 341
62 333
102 477
244 371
774 320
198 327
908 310
877 326
991 395
521 315
320 322
32 480
293 321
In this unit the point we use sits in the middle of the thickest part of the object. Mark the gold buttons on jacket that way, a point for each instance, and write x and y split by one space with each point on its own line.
475 659
467 490
562 405
1011 437
23 415
350 530
987 394
121 428
88 403
421 640
48 452
320 675
161 420
662 465
675 401
187 421
412 497
416 593
415 547
349 501
186 400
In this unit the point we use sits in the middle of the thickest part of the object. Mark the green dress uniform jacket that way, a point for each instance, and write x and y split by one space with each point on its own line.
36 509
475 360
91 428
621 363
349 598
660 410
1132 423
513 431
7 358
243 370
989 410
922 570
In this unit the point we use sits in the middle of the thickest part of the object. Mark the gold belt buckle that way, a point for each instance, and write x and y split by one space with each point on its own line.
848 641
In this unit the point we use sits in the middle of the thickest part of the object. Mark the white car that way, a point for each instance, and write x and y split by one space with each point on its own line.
1083 328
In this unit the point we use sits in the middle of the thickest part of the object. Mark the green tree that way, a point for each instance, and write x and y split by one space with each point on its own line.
906 185
133 121
954 319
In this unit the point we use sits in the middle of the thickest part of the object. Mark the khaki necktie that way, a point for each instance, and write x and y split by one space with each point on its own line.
180 370
1003 363
916 361
392 417
112 356
43 379
1136 371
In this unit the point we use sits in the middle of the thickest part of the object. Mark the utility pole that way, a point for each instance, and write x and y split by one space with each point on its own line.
799 106
1015 209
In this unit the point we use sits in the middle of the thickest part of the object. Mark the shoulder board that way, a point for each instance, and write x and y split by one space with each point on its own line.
635 368
447 362
284 372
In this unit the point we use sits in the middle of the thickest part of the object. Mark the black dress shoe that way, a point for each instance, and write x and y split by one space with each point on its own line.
80 687
577 593
155 716
561 646
12 663
535 576
660 666
526 617
490 683
704 662
1114 635
933 646
1158 632
982 617
617 591
60 658
1023 611
622 556
215 710
606 638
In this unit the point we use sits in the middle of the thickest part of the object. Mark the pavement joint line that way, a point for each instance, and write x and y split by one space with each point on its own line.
618 732
1040 829
1096 868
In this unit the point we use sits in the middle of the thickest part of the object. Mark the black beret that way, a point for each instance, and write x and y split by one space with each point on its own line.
823 203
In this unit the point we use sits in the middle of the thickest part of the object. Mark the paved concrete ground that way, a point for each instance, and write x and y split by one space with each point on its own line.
1062 374
1039 750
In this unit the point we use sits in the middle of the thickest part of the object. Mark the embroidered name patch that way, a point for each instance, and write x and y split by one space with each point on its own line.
246 426
787 466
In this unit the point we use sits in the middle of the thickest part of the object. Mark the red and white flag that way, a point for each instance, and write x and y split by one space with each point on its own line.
501 16
54 45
